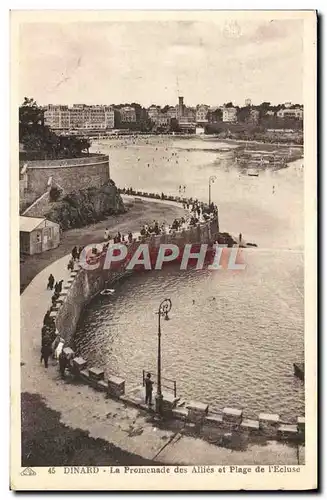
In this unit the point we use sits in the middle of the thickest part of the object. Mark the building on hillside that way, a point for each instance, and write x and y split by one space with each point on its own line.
248 102
98 118
189 114
187 124
153 113
270 112
36 235
253 117
128 114
79 117
296 113
172 112
229 115
109 117
201 116
163 120
56 116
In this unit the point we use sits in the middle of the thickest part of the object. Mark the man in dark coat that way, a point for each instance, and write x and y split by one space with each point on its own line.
148 389
45 352
62 364
51 281
74 253
46 317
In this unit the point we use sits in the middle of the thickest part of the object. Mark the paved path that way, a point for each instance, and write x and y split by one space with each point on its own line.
128 428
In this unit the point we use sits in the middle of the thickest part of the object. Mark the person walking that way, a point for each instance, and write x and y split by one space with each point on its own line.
70 265
106 234
148 389
51 281
62 364
45 353
74 253
46 317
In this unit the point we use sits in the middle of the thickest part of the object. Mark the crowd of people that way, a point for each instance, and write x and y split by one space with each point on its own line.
196 212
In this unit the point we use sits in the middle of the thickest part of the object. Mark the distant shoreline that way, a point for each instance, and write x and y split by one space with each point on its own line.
208 137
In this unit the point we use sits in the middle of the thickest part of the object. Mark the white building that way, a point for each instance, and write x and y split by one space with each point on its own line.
229 115
79 117
201 114
163 120
291 113
153 113
109 117
56 116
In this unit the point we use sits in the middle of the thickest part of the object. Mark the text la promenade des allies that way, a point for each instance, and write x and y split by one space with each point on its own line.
197 469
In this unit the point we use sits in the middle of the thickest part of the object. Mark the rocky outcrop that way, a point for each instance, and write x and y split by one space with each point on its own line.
86 206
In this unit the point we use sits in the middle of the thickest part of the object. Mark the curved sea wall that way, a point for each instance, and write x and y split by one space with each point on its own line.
83 285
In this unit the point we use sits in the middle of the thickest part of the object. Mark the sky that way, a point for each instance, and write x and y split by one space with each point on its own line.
152 62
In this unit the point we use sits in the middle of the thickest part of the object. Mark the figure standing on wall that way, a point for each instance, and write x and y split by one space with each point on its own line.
51 281
240 237
148 389
74 253
70 265
46 317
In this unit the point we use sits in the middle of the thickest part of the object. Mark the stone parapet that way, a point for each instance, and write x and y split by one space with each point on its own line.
232 415
116 386
81 287
197 411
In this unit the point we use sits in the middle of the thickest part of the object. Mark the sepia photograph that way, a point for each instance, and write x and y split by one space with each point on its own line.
163 197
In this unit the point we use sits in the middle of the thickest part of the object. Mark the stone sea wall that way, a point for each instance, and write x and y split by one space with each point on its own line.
84 285
71 174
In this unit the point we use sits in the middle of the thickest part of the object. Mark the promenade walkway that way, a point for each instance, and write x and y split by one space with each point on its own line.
129 428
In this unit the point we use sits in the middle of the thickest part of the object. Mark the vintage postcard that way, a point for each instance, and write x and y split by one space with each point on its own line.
163 214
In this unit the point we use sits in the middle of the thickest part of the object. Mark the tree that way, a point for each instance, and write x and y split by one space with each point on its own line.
243 114
229 105
38 140
215 116
263 108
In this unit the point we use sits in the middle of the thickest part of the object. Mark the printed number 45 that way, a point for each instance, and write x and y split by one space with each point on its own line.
52 470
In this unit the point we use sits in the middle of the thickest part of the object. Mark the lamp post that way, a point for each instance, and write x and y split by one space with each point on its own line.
212 179
163 311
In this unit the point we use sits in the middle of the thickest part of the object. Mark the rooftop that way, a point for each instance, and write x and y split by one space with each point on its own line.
28 224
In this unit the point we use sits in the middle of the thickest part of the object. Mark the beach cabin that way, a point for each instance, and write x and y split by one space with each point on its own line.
37 234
